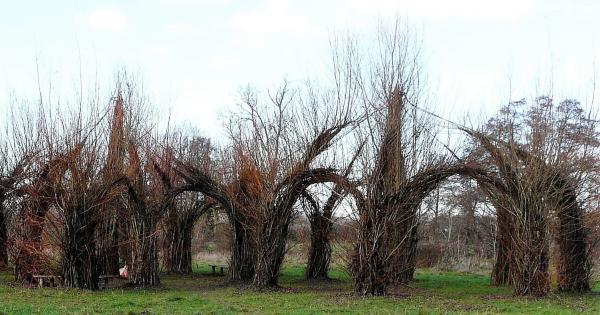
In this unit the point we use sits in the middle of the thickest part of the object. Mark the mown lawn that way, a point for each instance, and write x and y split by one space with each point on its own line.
434 292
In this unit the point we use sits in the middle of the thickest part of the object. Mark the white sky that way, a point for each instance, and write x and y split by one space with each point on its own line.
195 55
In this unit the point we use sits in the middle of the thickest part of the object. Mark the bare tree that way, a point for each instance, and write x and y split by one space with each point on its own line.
34 132
79 196
522 196
544 154
401 154
273 149
143 155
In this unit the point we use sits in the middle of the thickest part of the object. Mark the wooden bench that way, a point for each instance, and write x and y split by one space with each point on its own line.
106 279
43 279
214 269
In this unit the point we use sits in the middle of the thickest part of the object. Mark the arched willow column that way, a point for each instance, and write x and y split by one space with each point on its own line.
243 249
573 261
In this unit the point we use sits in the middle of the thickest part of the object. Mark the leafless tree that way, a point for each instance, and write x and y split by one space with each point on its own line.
549 148
273 147
401 160
33 131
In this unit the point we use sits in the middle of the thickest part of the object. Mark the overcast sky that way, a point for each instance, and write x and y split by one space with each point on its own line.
195 55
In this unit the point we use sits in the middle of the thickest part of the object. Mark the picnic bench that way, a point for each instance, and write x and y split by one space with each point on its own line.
52 281
214 269
106 279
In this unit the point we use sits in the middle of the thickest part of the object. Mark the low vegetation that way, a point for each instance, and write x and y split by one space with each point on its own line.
203 293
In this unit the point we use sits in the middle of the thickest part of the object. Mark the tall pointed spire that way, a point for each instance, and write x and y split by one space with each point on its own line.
116 140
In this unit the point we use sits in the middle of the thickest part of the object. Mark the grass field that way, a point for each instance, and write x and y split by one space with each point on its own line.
434 292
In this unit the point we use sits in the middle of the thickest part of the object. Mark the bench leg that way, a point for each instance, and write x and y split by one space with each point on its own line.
222 271
214 269
40 283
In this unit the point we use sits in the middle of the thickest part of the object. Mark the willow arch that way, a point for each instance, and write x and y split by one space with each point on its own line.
178 225
386 247
244 252
531 187
371 272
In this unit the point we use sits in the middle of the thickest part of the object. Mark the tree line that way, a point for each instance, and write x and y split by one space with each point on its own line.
93 184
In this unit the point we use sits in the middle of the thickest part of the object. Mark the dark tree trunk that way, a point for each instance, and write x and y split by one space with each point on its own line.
145 265
369 271
270 254
184 258
573 261
403 247
178 255
3 239
169 244
501 271
404 264
530 253
80 265
319 255
108 253
243 254
530 275
80 268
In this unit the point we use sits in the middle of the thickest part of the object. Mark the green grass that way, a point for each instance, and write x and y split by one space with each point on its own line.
434 292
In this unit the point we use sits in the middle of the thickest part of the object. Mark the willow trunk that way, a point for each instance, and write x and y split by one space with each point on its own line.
573 263
370 273
178 249
109 247
319 255
243 254
529 259
270 255
403 246
80 265
501 270
145 265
